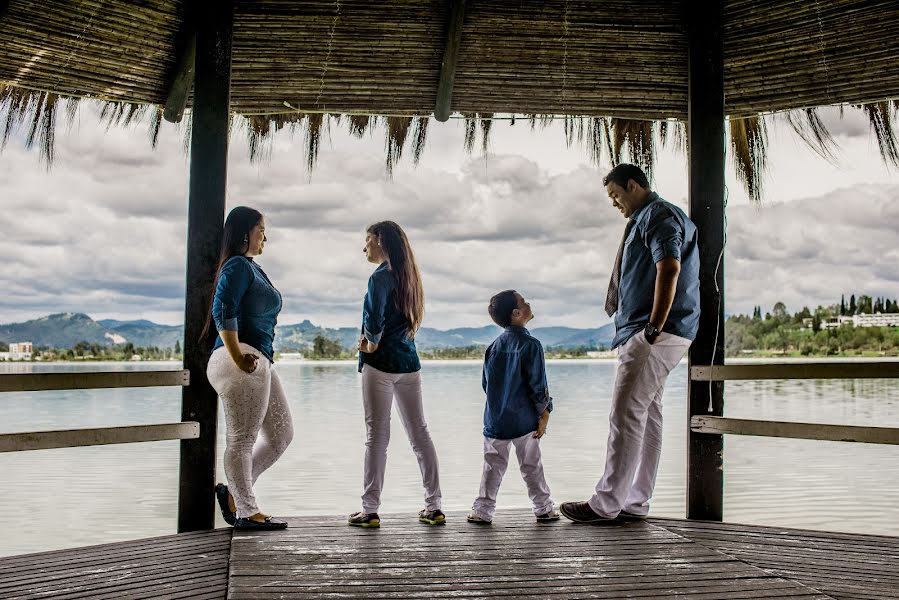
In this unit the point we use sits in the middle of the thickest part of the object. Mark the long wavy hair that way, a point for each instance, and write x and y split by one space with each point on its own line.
409 295
235 241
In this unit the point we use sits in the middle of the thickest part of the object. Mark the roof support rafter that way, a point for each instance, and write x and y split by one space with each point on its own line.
455 16
182 81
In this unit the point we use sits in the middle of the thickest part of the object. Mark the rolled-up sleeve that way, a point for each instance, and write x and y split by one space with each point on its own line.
534 364
374 308
664 236
233 283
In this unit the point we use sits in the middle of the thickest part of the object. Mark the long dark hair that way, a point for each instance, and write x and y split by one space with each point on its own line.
235 241
409 296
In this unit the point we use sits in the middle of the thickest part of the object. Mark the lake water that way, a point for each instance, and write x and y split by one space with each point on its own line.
78 496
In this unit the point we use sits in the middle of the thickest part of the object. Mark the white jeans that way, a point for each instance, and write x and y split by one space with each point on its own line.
378 392
496 459
257 418
635 424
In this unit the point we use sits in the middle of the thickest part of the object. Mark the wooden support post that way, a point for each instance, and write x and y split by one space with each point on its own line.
206 211
705 140
455 16
182 81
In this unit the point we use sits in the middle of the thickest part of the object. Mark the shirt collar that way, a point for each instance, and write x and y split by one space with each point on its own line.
383 266
518 329
652 197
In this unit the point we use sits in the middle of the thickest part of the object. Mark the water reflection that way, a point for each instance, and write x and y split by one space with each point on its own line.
82 496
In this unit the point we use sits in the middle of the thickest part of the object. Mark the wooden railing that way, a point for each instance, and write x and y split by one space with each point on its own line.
97 436
789 429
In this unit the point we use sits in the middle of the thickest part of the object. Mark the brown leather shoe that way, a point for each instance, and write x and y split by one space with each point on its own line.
580 512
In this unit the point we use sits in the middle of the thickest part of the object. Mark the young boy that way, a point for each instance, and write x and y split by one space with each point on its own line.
517 411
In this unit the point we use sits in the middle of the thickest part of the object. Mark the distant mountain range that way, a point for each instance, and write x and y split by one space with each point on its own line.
64 330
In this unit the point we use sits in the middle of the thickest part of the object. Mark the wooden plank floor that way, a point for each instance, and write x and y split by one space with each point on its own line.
187 565
320 557
513 558
843 565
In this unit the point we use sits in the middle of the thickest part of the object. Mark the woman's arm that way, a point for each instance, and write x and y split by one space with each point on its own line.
234 280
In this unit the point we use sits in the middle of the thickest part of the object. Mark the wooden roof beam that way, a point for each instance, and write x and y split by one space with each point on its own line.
455 17
182 82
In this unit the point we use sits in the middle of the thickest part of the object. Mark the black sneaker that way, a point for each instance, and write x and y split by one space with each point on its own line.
432 517
361 519
548 517
580 512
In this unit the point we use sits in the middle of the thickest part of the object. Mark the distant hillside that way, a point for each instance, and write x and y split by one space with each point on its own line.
64 330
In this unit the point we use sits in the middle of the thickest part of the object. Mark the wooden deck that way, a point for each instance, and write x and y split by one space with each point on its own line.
320 557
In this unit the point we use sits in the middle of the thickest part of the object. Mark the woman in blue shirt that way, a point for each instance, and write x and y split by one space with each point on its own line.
245 308
392 313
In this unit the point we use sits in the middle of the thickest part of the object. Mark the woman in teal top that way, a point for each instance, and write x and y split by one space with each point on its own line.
392 312
245 307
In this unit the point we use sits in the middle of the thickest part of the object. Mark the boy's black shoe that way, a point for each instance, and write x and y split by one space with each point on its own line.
432 517
580 512
361 519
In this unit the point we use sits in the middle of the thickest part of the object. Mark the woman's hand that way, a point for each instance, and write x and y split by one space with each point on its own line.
366 346
248 362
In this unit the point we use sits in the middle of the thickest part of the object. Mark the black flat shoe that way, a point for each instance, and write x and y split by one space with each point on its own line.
269 523
580 512
221 494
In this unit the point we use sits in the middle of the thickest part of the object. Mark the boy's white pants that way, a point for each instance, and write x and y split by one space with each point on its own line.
635 424
496 459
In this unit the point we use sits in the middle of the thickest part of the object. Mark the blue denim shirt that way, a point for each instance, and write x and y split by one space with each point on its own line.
514 379
661 230
245 301
386 326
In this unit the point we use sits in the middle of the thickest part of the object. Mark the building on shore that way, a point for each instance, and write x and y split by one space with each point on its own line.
862 320
20 351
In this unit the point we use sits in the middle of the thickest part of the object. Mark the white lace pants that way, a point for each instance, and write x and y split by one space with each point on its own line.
257 418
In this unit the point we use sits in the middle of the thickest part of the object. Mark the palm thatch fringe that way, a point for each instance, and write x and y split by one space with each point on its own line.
359 124
397 130
638 136
313 139
749 146
615 138
807 124
155 124
471 132
486 123
419 138
881 116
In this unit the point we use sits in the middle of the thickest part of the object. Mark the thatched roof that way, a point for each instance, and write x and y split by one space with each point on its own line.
585 58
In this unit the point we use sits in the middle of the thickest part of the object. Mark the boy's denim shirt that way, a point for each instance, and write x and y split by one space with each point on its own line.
384 325
661 230
514 379
245 301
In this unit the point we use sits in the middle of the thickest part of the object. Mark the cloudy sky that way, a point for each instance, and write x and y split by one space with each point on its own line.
103 231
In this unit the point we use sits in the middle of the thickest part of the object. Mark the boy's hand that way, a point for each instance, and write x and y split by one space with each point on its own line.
541 424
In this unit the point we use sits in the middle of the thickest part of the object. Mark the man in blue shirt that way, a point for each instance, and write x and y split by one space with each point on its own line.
654 295
517 410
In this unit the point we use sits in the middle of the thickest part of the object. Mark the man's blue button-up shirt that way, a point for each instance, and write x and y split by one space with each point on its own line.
514 379
661 230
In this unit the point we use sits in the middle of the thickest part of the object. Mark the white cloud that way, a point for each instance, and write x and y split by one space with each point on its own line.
104 231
